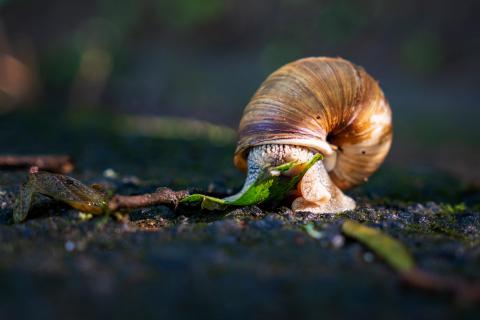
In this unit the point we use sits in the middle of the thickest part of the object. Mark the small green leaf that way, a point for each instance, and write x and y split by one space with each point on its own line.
388 248
207 202
270 185
312 232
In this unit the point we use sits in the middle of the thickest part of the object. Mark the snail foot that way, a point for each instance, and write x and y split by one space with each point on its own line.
333 206
319 194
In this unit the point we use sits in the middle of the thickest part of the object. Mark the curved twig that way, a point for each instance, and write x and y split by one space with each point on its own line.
161 196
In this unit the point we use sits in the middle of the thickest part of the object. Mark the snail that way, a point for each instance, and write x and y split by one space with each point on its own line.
312 106
317 105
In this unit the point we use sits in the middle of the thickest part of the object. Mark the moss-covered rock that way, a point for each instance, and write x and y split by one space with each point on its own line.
254 261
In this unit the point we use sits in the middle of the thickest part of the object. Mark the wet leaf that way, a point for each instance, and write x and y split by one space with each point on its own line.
270 185
61 188
23 203
388 248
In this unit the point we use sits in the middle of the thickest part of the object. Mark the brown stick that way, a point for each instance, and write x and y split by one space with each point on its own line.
161 196
464 291
53 163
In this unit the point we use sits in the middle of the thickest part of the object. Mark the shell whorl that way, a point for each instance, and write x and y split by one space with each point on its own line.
326 104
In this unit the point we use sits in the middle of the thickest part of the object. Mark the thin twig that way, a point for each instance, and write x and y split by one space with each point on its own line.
53 163
464 291
161 196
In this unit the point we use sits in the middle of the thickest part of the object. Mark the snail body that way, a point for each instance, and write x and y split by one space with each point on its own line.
317 105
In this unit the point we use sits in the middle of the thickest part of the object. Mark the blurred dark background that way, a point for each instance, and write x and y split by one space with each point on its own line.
204 59
146 93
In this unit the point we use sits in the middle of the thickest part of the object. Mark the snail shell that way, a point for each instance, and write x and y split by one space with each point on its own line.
328 105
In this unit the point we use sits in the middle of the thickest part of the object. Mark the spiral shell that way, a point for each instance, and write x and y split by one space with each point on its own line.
328 105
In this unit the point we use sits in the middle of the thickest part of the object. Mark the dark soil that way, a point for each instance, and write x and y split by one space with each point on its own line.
255 262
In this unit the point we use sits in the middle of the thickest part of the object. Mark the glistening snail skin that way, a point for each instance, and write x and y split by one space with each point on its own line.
317 105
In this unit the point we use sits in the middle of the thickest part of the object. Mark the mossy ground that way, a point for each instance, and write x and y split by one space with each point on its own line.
252 262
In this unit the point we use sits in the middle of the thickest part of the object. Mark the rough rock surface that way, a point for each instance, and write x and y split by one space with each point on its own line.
255 261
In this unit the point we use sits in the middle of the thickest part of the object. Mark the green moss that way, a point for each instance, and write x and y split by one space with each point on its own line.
441 225
450 232
448 209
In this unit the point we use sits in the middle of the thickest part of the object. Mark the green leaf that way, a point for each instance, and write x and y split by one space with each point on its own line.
312 232
388 248
207 202
270 185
